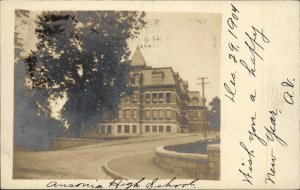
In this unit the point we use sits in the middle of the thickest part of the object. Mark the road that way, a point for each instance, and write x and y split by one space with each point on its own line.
84 162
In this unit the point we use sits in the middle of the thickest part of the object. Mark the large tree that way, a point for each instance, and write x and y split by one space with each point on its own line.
33 128
85 57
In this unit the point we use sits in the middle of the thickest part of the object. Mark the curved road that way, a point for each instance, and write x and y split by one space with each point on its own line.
86 162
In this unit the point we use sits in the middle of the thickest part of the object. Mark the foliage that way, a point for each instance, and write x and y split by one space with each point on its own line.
83 56
33 129
214 113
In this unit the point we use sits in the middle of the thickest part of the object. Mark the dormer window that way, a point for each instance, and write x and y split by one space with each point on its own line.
157 77
136 79
195 101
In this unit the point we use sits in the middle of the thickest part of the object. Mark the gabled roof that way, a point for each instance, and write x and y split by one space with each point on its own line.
167 78
137 59
194 95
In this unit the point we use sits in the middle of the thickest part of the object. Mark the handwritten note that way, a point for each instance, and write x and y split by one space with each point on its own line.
260 136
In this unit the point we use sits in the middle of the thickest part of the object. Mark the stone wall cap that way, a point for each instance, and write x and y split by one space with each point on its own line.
161 151
76 139
213 147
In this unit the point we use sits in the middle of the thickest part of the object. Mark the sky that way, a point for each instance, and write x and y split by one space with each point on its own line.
187 42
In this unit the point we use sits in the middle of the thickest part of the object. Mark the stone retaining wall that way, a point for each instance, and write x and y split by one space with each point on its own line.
183 164
63 143
202 166
214 161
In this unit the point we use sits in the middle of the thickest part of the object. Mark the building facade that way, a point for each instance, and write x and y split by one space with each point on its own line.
159 104
195 112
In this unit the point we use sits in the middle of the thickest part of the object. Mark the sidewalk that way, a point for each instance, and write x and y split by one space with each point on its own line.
138 166
133 140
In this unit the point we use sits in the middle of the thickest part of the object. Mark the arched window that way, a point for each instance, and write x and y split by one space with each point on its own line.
195 101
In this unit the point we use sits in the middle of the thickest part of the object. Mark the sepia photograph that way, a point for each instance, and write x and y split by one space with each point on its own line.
116 94
149 94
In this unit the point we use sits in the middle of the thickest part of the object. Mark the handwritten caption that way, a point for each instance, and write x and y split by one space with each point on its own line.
128 184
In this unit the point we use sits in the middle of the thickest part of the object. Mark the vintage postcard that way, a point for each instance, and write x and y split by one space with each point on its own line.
149 95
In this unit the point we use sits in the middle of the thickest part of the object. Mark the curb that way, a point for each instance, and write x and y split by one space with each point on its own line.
177 155
112 173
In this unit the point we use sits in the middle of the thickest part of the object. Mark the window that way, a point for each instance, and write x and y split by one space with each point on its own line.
157 78
97 129
177 116
154 128
148 115
91 130
195 115
120 114
155 114
147 128
161 98
195 101
154 98
161 114
168 114
126 128
190 114
108 129
147 98
105 114
134 129
136 79
132 80
127 100
127 114
199 114
140 80
168 97
119 128
134 98
102 128
135 114
161 128
168 128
